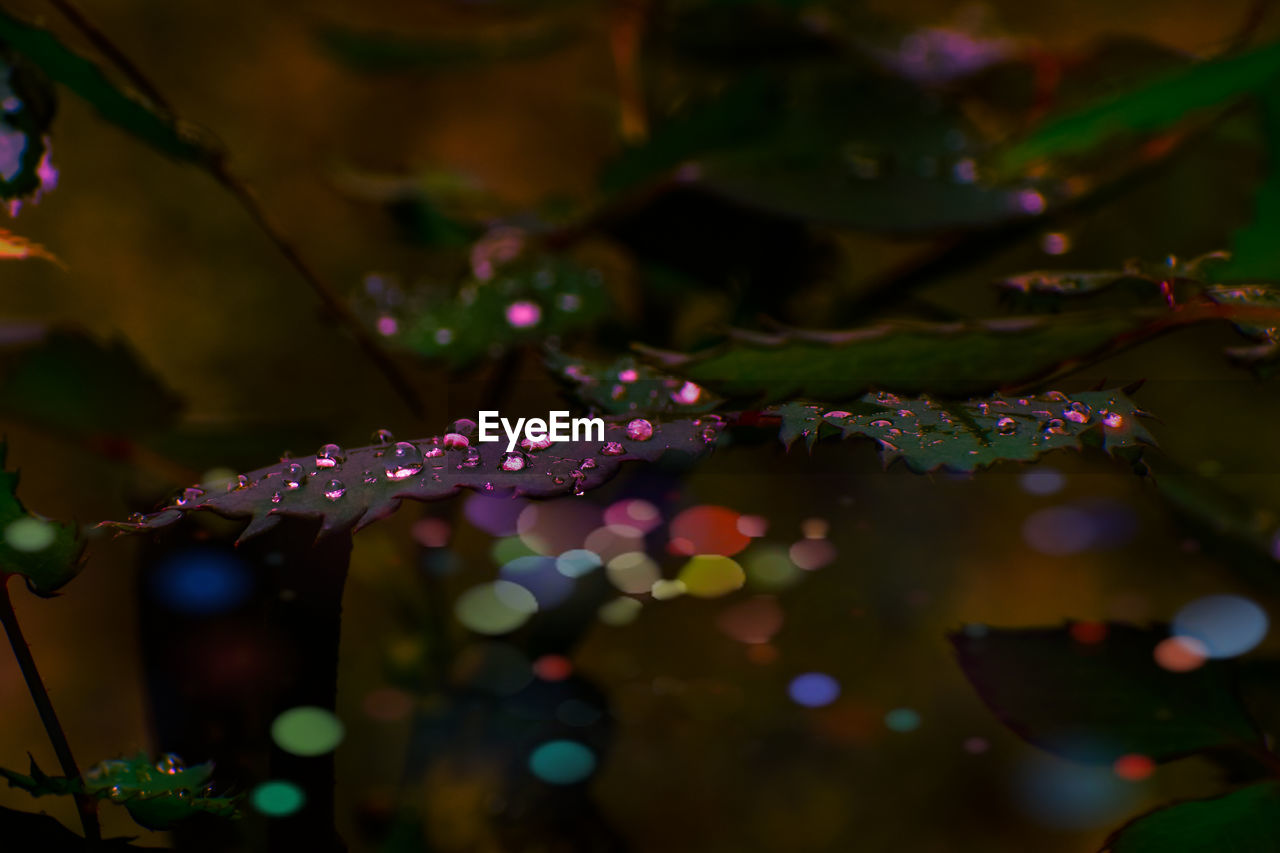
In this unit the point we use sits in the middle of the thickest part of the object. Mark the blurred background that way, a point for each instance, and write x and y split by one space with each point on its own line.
820 707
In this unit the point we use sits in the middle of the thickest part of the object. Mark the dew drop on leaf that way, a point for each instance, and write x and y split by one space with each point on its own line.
613 448
404 460
293 475
334 489
639 430
513 461
329 456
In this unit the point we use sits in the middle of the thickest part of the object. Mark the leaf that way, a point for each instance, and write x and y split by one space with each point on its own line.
627 387
1244 821
1154 106
1254 255
47 554
29 105
1263 355
952 359
503 305
848 148
964 436
144 120
15 247
44 833
1095 702
65 380
389 51
157 794
369 483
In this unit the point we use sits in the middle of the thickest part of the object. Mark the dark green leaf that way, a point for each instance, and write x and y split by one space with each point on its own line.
45 553
1095 702
371 482
964 436
157 794
144 120
65 380
1155 106
1244 821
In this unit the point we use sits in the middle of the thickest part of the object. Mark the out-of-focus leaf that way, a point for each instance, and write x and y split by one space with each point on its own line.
157 794
1254 254
1263 355
1103 699
958 359
352 489
629 387
44 833
1155 106
15 247
47 554
127 111
388 51
65 380
1174 279
1244 821
502 305
965 436
854 149
28 104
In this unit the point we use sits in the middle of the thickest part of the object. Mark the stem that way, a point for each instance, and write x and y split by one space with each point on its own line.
87 806
329 298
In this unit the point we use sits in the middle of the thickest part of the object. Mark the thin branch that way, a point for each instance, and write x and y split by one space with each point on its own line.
333 303
87 806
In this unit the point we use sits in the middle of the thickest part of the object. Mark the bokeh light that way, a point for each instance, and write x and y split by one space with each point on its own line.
29 534
1227 625
540 576
1180 654
769 567
202 581
621 611
307 730
1066 795
753 621
640 515
562 762
577 562
632 571
711 576
552 527
902 720
1133 767
497 516
278 798
707 530
814 689
1042 480
495 608
811 554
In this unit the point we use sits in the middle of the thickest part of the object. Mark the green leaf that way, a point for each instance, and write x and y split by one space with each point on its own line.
157 794
847 148
1254 254
1244 821
1157 105
369 483
521 302
628 387
47 554
65 380
957 359
1095 702
129 112
965 436
389 51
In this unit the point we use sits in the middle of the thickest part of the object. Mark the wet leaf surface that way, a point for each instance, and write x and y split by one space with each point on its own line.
1244 821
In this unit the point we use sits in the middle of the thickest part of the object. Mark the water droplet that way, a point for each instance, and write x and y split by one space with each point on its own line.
628 375
240 482
170 763
881 424
472 460
293 475
535 444
887 399
383 436
455 441
587 464
404 460
433 452
613 448
369 479
838 415
1055 426
513 461
1006 426
639 430
188 496
334 490
1077 413
330 456
1112 420
276 497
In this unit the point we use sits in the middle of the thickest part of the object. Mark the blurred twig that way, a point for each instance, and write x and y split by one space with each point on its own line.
333 303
